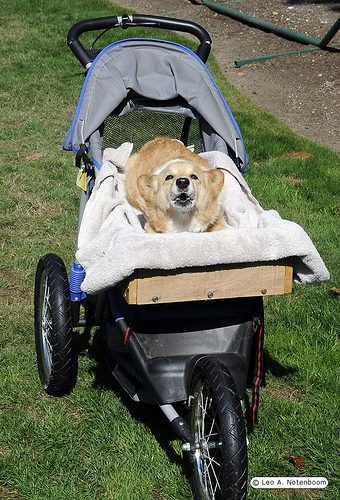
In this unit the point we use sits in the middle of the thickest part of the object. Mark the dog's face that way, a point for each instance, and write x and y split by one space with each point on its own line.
181 187
174 188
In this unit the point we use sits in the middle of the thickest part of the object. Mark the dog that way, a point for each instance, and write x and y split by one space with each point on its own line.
174 188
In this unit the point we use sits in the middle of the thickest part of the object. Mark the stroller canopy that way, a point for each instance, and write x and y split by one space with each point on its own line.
168 77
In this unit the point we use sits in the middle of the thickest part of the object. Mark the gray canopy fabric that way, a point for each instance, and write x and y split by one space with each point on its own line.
161 72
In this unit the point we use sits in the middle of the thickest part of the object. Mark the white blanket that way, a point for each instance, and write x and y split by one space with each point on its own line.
112 242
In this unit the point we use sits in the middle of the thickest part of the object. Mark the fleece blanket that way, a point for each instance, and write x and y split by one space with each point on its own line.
112 242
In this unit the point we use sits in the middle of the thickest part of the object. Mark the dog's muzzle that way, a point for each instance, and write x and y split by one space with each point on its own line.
183 198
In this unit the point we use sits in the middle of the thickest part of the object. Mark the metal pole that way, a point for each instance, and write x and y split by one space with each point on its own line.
242 62
330 34
284 32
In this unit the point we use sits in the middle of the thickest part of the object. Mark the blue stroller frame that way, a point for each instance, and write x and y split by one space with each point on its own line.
204 352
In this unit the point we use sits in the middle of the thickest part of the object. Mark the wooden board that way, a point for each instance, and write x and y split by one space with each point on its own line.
213 282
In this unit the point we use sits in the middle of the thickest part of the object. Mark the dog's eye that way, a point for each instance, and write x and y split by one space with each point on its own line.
194 177
169 177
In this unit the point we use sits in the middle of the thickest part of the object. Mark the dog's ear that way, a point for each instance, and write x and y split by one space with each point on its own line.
144 183
216 177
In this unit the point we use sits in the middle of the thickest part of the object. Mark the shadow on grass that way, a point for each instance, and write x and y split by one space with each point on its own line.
147 414
272 366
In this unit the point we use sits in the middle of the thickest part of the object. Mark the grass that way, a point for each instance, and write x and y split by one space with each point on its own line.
95 443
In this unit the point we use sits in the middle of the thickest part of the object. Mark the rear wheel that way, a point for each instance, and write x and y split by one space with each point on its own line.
218 468
53 325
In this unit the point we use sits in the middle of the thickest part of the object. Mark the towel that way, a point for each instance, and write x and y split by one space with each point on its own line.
112 242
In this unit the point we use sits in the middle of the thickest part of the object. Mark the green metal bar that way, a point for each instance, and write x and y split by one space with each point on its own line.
284 32
242 62
330 34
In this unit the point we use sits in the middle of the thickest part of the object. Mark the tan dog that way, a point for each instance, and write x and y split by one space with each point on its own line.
176 189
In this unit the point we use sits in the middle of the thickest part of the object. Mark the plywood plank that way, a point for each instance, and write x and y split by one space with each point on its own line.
214 282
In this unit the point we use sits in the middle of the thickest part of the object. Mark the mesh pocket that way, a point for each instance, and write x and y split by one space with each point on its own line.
140 127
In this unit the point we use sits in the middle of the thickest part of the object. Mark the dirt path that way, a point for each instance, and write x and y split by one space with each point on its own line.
302 90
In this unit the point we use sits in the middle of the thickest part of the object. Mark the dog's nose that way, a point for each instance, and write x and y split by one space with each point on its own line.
182 182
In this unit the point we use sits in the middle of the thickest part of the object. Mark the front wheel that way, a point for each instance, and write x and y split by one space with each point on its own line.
218 467
53 325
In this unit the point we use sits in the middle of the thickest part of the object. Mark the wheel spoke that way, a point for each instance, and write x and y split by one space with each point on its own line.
212 466
46 324
208 442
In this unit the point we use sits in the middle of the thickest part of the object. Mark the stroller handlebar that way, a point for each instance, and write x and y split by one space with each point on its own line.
85 57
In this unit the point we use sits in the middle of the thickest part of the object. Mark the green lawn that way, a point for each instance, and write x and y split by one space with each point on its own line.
95 443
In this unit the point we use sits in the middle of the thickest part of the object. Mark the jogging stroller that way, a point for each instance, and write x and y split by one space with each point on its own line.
190 334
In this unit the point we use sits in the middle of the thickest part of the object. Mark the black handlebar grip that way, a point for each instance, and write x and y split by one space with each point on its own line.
88 25
126 21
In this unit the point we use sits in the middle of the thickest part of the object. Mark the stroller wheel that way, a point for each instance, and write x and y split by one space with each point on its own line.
53 325
218 468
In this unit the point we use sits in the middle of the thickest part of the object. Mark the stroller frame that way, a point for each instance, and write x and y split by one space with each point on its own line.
202 349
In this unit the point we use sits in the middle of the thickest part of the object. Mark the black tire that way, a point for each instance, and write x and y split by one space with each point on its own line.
53 325
219 467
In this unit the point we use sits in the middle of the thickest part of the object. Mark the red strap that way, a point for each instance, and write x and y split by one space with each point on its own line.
258 372
127 334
